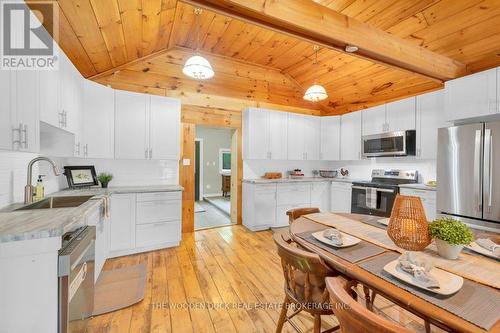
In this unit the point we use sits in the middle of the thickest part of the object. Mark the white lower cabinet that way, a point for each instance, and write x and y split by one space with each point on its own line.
101 223
341 197
259 206
320 196
145 222
265 205
428 198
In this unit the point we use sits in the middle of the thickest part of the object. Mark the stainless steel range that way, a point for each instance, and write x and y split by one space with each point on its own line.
376 197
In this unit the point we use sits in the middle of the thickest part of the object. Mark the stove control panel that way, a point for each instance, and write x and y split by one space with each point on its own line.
395 174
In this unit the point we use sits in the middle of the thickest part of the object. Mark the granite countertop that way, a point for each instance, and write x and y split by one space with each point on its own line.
45 223
296 180
418 187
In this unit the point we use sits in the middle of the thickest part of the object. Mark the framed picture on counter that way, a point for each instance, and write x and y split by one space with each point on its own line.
80 176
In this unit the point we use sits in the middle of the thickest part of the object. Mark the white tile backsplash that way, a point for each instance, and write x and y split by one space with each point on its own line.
357 169
134 172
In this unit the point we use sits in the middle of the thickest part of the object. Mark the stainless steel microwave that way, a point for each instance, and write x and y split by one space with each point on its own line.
401 143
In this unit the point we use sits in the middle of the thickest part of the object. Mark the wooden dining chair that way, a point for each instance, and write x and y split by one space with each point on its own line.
305 288
354 317
294 214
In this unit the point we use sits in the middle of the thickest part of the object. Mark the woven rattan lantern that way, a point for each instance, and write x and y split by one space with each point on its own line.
408 224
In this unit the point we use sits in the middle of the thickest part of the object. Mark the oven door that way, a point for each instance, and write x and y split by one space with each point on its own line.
387 144
372 200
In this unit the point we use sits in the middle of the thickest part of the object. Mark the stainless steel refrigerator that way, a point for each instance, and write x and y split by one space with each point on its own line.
468 173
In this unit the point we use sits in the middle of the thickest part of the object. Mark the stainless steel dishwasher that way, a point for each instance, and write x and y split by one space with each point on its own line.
76 279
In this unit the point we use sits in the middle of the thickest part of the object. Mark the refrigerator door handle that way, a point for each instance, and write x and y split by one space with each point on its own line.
477 171
488 160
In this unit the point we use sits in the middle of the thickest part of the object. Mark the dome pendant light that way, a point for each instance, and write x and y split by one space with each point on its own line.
197 67
316 92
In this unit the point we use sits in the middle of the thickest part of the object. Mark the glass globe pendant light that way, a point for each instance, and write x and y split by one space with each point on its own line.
316 92
197 67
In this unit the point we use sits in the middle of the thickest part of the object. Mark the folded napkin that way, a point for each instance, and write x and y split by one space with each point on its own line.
419 268
334 236
489 245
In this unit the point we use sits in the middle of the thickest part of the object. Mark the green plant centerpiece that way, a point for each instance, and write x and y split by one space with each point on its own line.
104 178
451 235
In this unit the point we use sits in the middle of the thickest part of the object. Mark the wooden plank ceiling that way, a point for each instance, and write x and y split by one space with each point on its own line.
142 45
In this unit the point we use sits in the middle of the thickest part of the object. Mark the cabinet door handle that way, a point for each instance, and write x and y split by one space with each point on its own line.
65 117
86 150
146 153
78 148
25 131
150 153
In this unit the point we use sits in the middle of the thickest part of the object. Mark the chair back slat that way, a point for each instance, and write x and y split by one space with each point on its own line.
294 214
354 317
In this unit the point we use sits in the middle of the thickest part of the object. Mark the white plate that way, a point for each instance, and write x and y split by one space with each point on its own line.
476 248
347 240
384 221
448 283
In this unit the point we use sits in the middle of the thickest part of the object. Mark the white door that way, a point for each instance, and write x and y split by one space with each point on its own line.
320 196
401 115
27 108
330 138
122 231
312 137
296 137
165 122
350 137
98 120
265 205
278 135
341 197
374 120
6 111
471 96
131 125
49 97
256 132
430 117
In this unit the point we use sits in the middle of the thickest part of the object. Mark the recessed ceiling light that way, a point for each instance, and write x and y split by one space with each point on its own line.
351 48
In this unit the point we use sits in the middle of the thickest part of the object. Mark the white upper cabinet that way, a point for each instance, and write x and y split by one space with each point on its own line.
131 120
26 106
278 135
265 134
312 138
330 138
49 97
472 96
430 117
256 134
296 137
374 120
350 136
98 120
6 125
165 122
400 115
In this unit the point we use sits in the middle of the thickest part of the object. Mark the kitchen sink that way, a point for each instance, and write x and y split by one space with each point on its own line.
58 202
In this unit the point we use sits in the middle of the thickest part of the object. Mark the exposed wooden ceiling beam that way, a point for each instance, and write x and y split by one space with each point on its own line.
313 22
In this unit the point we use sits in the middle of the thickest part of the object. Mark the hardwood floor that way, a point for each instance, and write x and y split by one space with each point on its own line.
219 280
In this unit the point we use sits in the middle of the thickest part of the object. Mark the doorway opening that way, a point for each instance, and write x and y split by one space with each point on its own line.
214 166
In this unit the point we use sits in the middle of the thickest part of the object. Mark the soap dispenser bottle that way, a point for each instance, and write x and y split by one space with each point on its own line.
40 189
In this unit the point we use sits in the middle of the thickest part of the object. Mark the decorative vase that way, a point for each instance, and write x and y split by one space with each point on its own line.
104 185
408 226
447 250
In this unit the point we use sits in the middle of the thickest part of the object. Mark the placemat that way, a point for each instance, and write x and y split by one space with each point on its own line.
353 254
476 303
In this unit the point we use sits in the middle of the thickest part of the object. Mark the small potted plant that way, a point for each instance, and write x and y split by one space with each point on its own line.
451 236
104 178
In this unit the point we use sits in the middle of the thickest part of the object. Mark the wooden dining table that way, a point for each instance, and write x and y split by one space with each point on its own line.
429 312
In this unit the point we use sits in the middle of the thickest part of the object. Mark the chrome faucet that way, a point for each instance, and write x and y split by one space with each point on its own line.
29 189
